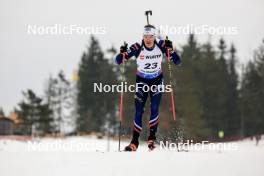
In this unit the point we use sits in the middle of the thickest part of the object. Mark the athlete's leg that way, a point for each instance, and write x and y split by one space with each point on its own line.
155 98
140 101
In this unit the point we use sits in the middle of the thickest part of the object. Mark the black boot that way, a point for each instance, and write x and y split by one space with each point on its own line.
151 142
132 147
134 142
152 137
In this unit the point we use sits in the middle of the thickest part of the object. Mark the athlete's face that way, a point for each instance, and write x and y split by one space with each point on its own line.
149 40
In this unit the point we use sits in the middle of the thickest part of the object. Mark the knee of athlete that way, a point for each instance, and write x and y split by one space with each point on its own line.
138 98
156 94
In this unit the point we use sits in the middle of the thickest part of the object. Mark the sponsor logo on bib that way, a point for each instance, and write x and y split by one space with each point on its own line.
153 56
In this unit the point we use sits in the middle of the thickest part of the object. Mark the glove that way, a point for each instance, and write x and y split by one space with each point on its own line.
168 44
123 48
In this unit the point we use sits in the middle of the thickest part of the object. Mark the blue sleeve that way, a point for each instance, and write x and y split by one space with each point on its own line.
161 45
175 58
134 51
173 55
119 59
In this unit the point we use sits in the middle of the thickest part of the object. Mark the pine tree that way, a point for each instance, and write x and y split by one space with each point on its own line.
232 107
58 94
93 106
252 95
188 92
34 114
221 95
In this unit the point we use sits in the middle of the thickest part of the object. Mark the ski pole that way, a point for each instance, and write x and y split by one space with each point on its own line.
170 78
121 100
120 112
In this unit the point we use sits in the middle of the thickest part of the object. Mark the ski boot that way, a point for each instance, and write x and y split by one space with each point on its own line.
132 147
151 143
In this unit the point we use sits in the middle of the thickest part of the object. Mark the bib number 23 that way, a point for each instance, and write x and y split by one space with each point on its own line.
151 65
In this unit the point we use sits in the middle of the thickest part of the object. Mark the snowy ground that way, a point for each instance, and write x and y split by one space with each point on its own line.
87 156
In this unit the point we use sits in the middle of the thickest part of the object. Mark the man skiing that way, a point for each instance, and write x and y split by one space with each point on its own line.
149 54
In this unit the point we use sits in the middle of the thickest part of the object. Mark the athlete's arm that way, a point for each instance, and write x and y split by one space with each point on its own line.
134 50
173 54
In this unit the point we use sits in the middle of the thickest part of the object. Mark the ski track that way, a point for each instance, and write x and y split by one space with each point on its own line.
17 160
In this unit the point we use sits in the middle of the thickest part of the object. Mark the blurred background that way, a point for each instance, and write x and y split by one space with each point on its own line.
47 79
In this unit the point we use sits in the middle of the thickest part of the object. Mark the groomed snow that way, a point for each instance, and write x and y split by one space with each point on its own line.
87 156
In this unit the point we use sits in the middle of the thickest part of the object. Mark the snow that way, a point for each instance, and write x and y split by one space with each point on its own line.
88 156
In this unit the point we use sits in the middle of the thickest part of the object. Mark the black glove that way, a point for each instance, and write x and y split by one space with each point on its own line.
123 48
168 44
